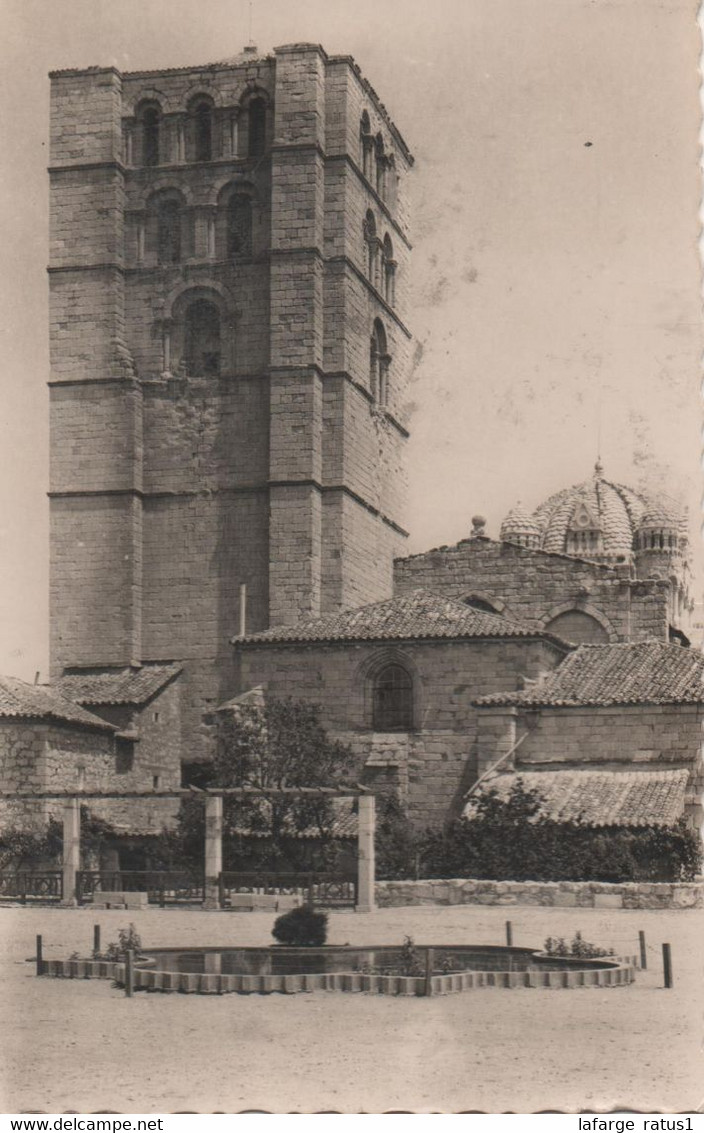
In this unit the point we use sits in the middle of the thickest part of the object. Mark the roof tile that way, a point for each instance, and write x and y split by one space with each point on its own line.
601 798
131 685
645 672
36 702
418 614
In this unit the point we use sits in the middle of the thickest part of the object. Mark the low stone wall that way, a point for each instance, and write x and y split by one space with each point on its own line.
619 974
583 894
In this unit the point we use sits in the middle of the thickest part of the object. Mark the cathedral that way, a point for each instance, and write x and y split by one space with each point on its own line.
230 359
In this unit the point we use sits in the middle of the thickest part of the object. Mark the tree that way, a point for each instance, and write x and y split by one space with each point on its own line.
281 744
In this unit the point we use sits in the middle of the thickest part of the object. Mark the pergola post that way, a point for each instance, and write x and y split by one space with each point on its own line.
366 902
213 851
71 854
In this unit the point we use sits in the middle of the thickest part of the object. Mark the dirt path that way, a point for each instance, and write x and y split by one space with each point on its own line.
83 1046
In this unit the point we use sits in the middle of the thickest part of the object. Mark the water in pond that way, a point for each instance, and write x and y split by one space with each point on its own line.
308 961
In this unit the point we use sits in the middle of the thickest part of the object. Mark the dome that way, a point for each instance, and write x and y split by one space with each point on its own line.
657 519
599 519
520 527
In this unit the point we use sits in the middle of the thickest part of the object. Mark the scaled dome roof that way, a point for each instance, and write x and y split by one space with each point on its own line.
614 510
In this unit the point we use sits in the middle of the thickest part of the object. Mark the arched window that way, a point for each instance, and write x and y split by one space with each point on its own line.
391 181
392 700
389 270
256 112
366 142
379 361
380 155
371 246
239 226
151 123
201 354
203 131
168 236
577 627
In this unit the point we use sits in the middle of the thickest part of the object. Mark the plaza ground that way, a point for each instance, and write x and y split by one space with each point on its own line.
81 1045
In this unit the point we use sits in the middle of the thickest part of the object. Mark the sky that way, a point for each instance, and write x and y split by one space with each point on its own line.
556 281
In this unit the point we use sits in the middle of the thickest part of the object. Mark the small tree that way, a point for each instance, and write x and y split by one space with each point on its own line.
282 744
23 849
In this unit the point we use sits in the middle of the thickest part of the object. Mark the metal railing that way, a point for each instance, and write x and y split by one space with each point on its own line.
163 887
35 885
334 890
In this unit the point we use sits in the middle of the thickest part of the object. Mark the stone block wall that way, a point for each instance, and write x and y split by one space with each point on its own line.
550 894
436 762
45 756
614 738
21 754
534 586
169 492
95 581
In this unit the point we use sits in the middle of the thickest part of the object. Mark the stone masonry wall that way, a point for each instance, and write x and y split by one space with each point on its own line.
535 587
437 761
551 894
169 492
21 753
44 757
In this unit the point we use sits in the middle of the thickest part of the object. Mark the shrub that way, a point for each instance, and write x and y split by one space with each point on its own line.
411 963
302 927
396 842
127 939
579 948
510 839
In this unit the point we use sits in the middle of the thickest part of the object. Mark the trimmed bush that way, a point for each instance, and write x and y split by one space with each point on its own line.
302 927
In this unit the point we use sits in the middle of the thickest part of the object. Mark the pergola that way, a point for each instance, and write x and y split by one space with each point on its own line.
213 798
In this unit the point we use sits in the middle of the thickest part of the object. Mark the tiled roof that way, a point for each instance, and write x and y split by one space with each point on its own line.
37 702
601 798
644 672
418 614
118 686
343 825
252 698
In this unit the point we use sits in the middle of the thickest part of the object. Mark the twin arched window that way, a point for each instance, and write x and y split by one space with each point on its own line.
378 167
379 259
392 699
200 136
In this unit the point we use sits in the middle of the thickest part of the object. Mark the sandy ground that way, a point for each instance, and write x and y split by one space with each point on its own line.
81 1045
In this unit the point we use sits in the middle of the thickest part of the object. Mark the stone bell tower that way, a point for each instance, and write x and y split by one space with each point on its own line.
229 356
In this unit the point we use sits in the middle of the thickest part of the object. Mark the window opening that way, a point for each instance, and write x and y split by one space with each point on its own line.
203 121
393 700
169 232
257 126
150 136
239 226
202 339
